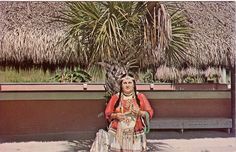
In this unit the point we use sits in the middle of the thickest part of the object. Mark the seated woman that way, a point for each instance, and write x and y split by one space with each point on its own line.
129 113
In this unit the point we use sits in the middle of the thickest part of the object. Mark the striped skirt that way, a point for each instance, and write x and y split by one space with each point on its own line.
127 142
112 141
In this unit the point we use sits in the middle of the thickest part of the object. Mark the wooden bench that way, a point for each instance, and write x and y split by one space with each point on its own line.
191 123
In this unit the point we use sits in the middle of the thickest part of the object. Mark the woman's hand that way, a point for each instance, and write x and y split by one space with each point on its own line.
138 112
142 113
119 116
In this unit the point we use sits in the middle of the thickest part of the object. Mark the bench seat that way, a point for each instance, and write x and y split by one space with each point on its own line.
191 123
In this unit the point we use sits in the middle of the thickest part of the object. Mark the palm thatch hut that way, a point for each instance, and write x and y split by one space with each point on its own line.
29 38
212 40
213 35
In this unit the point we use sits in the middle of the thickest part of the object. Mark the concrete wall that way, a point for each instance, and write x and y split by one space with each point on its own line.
49 114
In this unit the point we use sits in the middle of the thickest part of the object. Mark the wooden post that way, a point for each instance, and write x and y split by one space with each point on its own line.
224 80
233 98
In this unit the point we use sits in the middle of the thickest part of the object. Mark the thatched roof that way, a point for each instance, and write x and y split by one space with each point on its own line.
27 36
171 74
213 38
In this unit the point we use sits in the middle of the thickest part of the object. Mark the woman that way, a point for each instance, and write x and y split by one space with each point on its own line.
129 113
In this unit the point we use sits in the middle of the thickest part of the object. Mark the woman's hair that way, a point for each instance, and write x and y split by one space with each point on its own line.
135 93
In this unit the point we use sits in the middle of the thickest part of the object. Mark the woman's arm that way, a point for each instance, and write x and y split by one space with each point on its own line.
110 108
145 106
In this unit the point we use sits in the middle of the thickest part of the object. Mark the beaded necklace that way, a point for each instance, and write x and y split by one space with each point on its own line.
129 101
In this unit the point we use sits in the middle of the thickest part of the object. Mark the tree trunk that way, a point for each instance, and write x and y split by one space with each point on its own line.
113 72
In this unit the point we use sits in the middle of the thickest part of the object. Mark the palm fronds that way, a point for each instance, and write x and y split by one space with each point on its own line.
100 29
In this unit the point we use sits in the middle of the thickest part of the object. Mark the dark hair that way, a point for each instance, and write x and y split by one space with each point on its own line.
136 96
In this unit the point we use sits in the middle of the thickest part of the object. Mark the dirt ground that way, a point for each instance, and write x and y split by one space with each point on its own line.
162 145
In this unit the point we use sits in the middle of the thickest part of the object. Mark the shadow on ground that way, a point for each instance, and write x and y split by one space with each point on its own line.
84 146
79 145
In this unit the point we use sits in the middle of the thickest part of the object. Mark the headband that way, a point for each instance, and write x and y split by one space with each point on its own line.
127 77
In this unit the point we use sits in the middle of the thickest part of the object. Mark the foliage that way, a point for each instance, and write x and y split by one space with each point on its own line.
176 52
148 77
75 75
106 31
117 33
101 31
32 75
190 79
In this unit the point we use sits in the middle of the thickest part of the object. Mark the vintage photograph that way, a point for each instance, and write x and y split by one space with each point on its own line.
117 76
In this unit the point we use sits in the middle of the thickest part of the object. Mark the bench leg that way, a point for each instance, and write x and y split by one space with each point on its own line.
182 131
228 130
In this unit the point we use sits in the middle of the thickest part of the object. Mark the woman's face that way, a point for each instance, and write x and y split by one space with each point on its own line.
127 86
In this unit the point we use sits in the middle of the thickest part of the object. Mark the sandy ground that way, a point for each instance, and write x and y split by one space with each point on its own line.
164 145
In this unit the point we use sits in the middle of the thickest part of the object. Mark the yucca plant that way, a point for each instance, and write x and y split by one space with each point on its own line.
177 50
101 31
120 32
176 53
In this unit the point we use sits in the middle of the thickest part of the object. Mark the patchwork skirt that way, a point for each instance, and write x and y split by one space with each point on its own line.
111 141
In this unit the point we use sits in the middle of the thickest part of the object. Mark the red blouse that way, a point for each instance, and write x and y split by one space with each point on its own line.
144 106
